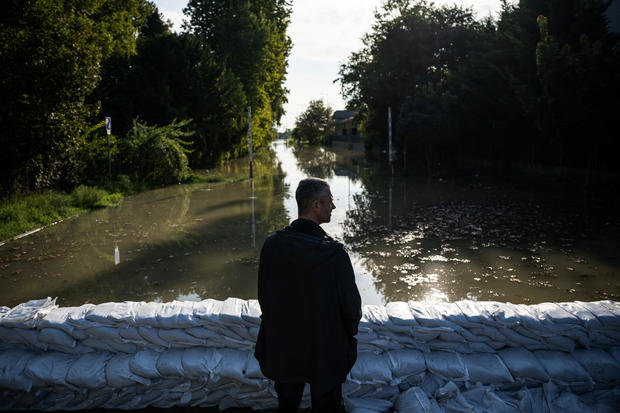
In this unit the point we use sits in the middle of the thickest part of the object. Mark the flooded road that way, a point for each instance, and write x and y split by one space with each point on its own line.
408 238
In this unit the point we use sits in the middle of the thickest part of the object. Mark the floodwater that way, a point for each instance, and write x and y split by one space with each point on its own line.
408 238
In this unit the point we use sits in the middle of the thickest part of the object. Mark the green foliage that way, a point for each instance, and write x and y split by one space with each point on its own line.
315 124
156 155
50 55
538 85
87 197
249 39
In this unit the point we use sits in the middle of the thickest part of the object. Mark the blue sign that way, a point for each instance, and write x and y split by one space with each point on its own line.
108 124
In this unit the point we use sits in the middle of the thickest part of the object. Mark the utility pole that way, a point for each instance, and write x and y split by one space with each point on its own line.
250 138
390 139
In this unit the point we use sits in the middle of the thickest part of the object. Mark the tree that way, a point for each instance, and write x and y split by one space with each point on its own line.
249 39
315 124
51 52
175 76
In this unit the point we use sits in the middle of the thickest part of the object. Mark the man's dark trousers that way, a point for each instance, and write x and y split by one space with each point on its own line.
290 394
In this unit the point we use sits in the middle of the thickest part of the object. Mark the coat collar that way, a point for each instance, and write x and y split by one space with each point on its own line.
308 227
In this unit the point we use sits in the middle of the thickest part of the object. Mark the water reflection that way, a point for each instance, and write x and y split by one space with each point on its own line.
408 238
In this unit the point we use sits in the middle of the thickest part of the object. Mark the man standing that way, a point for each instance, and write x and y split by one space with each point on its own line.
310 305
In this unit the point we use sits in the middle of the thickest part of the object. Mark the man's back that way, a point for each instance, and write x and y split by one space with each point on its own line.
311 307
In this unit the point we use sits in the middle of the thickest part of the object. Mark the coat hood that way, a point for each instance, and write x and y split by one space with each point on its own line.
305 250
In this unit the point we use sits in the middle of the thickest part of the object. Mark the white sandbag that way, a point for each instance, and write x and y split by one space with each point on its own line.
448 366
203 333
559 342
30 336
3 310
13 363
452 336
201 362
426 334
50 368
371 368
170 363
485 399
56 336
368 404
252 368
177 314
513 338
76 316
449 346
119 375
599 364
88 371
476 312
111 314
403 363
615 352
104 333
251 312
606 312
452 312
144 363
399 313
178 338
151 335
558 314
231 310
27 315
504 314
208 311
234 365
562 367
130 334
109 345
486 368
477 347
491 332
375 314
57 318
585 317
523 364
145 314
8 336
425 316
415 400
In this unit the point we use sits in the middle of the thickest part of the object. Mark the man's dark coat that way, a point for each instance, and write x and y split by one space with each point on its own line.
310 305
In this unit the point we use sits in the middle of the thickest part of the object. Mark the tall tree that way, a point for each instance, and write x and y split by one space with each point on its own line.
249 38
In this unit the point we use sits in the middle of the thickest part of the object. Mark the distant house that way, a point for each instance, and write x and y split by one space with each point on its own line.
345 125
346 134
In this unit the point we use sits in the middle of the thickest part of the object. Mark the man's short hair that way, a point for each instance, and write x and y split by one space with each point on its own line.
309 190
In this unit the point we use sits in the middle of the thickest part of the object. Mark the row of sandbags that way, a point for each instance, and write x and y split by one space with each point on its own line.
486 327
132 355
47 380
463 326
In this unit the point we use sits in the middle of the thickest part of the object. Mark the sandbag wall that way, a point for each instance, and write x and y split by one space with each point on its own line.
414 356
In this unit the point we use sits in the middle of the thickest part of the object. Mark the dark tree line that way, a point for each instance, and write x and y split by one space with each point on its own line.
65 64
538 85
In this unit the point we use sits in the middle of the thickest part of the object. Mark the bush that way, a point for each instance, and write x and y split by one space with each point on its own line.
88 197
156 155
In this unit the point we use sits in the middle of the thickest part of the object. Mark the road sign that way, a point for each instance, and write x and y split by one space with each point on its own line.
108 125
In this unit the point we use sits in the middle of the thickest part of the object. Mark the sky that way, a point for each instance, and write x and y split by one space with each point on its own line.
324 34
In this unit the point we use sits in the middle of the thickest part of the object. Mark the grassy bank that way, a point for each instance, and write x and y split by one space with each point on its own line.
22 213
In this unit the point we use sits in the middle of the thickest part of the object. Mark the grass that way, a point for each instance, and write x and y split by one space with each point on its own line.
211 177
23 213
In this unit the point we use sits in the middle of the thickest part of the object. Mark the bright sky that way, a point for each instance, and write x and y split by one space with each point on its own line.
324 33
